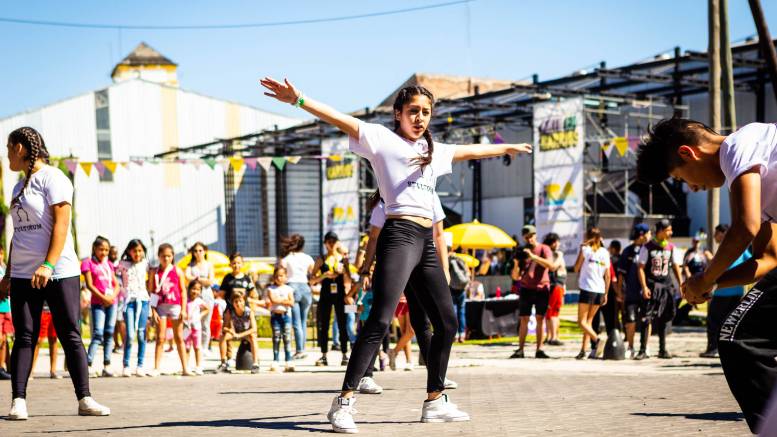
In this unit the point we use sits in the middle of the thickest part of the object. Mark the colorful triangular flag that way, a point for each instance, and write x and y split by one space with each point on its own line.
607 148
138 162
124 164
634 143
110 166
498 138
87 167
237 163
100 168
622 145
279 162
211 162
71 165
265 163
293 159
251 163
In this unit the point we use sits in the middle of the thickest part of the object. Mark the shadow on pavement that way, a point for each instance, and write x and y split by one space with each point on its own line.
693 365
255 423
272 392
731 416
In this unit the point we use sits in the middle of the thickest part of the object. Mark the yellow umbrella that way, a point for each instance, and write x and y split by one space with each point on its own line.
469 260
478 235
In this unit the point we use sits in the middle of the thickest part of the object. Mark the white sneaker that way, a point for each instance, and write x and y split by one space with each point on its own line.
198 371
451 384
93 373
153 373
442 410
392 359
140 372
368 386
89 407
632 354
107 373
409 367
341 415
126 373
274 366
18 409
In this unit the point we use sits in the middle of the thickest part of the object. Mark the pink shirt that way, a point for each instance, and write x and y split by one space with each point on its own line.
103 275
168 286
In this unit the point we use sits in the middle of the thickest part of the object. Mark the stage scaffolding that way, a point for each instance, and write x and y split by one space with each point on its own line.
619 102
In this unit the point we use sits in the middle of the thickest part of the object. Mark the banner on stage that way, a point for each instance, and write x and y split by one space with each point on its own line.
340 192
558 173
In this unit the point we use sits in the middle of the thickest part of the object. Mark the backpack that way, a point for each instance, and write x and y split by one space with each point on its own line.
459 276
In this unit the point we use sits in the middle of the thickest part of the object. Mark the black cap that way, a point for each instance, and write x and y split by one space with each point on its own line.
663 224
331 236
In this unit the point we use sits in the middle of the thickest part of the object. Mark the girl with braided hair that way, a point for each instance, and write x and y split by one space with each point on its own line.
407 163
43 266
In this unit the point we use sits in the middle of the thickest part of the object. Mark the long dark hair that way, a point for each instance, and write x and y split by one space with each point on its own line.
193 248
135 242
33 143
404 96
373 200
292 243
99 241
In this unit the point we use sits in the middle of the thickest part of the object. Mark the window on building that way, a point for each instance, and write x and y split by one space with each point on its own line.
103 124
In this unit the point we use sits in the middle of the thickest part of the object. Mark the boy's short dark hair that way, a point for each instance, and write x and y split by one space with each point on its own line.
722 228
657 155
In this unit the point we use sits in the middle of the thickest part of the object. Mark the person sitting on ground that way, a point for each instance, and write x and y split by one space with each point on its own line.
236 281
239 324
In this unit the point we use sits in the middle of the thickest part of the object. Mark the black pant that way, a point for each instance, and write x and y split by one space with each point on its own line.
326 301
63 297
748 345
406 255
717 311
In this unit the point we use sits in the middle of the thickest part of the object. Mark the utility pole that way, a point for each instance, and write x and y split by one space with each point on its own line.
713 196
727 73
765 41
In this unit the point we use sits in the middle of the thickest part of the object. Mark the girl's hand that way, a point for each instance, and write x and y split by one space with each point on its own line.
155 317
108 301
41 277
348 300
514 149
285 92
184 315
5 287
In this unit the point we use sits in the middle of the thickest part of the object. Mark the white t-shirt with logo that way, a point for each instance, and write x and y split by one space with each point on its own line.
33 223
297 266
595 264
754 145
378 215
405 189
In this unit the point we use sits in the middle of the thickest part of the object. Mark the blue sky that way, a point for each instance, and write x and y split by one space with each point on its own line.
349 64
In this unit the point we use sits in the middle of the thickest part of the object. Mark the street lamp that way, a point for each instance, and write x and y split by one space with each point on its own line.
596 176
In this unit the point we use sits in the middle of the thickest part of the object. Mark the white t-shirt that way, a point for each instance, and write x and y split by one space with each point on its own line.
378 215
277 294
405 189
33 223
133 279
754 145
297 266
193 309
595 264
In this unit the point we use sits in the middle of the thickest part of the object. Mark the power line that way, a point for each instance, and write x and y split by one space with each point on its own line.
229 26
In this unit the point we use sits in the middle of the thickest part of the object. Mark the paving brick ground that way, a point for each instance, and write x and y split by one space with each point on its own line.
562 396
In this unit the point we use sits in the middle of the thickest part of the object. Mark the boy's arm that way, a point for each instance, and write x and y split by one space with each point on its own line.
763 261
745 224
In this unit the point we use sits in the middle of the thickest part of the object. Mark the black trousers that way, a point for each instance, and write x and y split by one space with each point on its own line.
718 309
406 255
420 323
63 297
748 347
326 301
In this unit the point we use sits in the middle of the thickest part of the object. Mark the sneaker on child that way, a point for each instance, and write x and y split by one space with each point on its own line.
18 409
451 384
341 415
89 407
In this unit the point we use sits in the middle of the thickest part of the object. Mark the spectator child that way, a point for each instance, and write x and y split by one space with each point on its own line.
201 269
168 302
239 324
101 280
196 310
281 297
133 271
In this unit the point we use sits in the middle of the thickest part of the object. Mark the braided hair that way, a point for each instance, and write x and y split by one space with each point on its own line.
404 96
33 143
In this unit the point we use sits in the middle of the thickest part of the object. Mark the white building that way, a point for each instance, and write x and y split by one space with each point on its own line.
141 114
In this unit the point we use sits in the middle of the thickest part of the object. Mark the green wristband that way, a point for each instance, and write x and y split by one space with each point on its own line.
49 265
300 101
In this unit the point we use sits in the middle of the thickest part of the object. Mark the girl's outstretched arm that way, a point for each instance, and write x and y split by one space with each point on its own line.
287 93
480 151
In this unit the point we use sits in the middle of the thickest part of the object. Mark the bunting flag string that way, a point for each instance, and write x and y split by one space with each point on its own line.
607 148
251 163
621 145
279 163
87 167
265 163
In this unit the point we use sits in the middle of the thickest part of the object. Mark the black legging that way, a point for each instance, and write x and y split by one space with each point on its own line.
421 326
63 297
326 301
406 255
